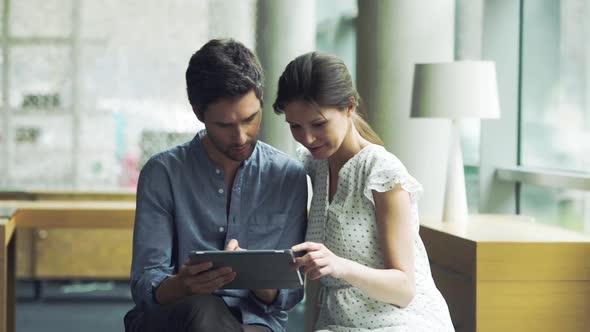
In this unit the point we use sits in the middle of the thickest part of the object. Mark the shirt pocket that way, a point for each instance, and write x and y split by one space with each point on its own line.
265 230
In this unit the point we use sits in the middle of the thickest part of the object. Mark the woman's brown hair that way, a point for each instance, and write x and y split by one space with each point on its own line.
324 81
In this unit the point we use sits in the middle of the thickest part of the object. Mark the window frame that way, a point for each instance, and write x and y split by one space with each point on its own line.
501 170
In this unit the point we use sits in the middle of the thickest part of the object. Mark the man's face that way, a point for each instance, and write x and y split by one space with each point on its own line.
232 125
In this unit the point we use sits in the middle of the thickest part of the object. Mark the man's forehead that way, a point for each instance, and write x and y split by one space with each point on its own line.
233 109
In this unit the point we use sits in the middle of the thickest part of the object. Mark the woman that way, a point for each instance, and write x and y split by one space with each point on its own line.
362 241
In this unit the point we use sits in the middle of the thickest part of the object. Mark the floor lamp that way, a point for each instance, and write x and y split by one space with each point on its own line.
455 90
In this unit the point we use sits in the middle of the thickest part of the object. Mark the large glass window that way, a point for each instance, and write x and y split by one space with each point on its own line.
336 30
91 89
555 106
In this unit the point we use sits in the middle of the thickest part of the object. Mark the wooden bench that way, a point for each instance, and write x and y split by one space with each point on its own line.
7 274
47 215
39 250
497 273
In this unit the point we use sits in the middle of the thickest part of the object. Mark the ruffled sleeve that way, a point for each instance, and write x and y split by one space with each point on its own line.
383 171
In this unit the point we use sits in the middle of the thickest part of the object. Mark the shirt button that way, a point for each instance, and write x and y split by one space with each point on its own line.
217 171
220 191
221 229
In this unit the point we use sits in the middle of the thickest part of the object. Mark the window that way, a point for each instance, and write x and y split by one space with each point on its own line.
93 88
555 106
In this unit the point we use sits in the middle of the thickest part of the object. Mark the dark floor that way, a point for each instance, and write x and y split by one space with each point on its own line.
72 306
85 306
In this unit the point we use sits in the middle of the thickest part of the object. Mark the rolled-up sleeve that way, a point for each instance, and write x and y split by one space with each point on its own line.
152 235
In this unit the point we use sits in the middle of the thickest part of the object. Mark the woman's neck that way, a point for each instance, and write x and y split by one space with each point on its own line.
352 144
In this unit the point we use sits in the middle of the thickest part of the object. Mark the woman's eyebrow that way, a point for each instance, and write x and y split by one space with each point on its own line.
318 119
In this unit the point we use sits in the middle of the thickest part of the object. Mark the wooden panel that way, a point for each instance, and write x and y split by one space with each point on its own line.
55 195
505 228
16 195
449 252
25 263
459 292
533 261
76 215
3 273
533 306
84 196
11 287
7 277
88 253
8 228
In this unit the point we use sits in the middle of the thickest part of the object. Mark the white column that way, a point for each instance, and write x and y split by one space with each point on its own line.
586 104
285 29
499 137
232 18
7 135
391 37
468 29
587 121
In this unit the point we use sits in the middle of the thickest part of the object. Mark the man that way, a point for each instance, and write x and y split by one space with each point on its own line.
222 190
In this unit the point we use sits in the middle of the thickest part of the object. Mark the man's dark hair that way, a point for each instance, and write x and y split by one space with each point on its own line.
222 68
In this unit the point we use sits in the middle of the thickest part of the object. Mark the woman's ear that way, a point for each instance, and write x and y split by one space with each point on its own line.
351 108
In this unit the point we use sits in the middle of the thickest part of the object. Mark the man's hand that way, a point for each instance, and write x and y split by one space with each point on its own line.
200 279
267 296
193 279
233 245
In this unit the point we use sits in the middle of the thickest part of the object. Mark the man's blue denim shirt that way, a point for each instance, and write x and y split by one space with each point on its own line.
181 206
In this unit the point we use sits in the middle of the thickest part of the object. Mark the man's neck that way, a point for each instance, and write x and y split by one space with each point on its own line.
228 166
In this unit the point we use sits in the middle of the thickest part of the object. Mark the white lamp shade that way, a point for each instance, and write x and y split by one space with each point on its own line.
460 89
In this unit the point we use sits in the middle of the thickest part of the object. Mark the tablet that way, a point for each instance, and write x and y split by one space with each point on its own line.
255 269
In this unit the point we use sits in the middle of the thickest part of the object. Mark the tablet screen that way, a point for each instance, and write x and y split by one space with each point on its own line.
255 269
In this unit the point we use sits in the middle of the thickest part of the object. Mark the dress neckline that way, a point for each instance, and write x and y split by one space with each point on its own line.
345 166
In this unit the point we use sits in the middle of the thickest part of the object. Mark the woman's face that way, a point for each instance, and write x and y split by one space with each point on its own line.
321 131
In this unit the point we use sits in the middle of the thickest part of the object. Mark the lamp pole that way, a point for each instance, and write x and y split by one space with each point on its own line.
455 204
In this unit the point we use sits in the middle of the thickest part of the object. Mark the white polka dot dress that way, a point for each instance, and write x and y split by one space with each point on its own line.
347 227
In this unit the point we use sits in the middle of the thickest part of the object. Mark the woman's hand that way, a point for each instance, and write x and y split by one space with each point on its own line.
320 261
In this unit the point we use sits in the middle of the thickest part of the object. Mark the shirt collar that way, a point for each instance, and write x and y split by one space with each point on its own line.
203 158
